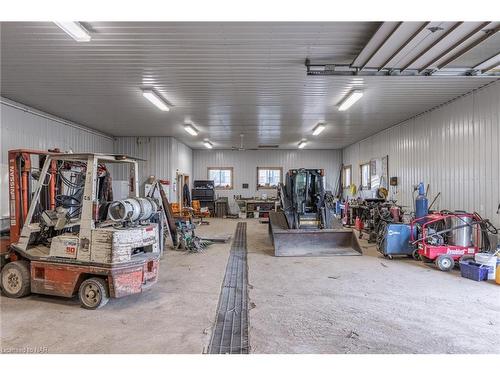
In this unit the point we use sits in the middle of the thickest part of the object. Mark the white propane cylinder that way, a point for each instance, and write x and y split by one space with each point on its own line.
132 209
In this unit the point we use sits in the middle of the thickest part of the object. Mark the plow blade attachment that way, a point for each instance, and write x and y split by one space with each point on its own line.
310 242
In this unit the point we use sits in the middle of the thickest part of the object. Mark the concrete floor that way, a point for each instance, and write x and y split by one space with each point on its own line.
364 304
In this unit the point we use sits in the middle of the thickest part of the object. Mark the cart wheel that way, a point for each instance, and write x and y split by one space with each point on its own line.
16 279
390 256
415 255
93 293
466 258
445 262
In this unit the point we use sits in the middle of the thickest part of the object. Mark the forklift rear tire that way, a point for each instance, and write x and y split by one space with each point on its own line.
16 279
445 262
93 293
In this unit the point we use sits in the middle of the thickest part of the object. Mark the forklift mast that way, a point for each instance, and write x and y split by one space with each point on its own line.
24 166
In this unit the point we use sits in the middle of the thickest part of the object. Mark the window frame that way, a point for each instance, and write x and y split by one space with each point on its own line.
231 169
264 187
368 186
344 168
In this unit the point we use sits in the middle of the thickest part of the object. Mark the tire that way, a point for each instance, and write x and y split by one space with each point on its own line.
415 255
16 279
390 257
445 262
93 293
465 258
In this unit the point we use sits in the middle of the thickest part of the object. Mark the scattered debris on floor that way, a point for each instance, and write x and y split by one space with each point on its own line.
223 238
352 335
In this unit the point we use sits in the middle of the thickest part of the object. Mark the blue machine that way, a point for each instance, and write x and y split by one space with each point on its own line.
397 240
421 202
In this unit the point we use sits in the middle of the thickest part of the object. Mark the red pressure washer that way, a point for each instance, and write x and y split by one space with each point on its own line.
445 238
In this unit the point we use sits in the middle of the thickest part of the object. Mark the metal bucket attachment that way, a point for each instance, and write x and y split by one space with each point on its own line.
310 242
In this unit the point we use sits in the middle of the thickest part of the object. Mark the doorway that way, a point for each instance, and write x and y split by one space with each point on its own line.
183 197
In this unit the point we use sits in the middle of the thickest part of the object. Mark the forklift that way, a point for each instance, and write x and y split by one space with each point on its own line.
67 235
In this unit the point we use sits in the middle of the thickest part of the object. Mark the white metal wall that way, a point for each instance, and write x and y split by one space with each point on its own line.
25 127
454 148
163 157
245 165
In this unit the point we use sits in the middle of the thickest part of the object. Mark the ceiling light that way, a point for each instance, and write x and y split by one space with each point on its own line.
190 129
156 99
352 98
302 144
75 30
207 144
318 129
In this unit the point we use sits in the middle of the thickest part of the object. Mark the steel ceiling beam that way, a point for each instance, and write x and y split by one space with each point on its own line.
469 47
422 53
345 70
373 36
398 25
455 45
413 36
478 66
488 68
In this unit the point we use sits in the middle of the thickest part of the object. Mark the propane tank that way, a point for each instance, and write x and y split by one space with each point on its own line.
132 209
421 202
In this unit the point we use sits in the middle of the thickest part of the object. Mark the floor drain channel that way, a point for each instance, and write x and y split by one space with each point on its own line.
230 335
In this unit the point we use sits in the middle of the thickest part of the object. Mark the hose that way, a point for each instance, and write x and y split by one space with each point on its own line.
486 227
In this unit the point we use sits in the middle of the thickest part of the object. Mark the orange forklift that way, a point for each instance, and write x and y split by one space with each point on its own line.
68 236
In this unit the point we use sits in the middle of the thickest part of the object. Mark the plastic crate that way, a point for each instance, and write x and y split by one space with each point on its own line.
474 271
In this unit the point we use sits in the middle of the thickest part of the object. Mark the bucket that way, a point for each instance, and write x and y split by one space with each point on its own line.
489 260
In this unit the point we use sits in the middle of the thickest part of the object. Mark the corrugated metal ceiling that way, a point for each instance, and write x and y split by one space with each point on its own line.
226 78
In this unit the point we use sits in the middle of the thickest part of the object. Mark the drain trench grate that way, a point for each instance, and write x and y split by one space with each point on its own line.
230 334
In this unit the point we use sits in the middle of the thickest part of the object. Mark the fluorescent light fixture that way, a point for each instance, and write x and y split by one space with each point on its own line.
207 144
302 144
190 129
156 99
318 129
352 98
75 30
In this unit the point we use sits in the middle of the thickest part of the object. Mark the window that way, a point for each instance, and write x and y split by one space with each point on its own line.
223 177
346 176
365 176
269 177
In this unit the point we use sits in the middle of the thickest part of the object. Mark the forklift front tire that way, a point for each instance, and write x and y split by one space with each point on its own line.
16 279
93 293
445 263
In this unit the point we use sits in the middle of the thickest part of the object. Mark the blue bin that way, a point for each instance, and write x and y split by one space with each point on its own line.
474 271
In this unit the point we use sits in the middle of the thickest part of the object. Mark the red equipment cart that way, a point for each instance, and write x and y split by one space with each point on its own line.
436 242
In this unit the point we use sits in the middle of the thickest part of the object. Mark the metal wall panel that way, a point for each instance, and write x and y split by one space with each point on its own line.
245 165
25 127
454 148
163 157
